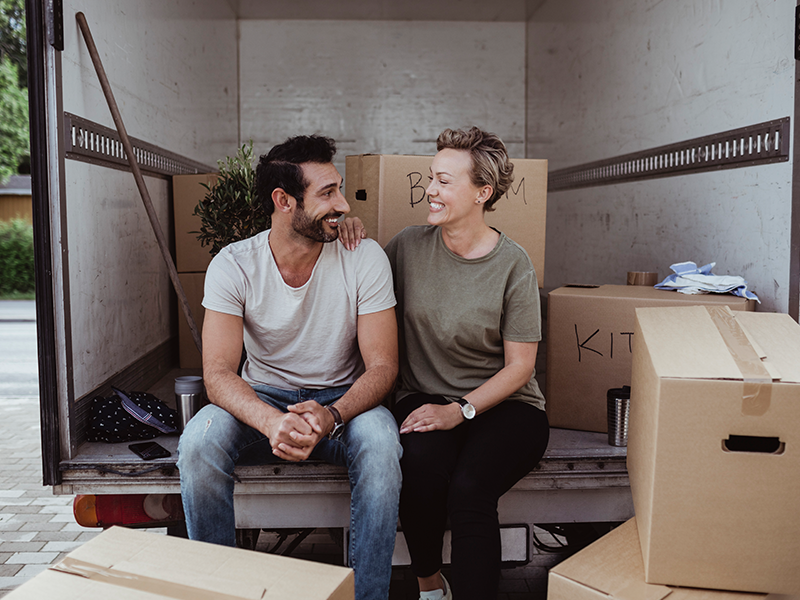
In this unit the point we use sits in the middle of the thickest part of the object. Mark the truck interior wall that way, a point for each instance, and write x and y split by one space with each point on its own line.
172 66
614 77
386 87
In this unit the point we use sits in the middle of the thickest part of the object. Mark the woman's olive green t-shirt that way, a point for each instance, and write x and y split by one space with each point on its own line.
454 313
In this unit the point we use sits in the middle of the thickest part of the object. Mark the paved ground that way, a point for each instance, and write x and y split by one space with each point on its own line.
37 528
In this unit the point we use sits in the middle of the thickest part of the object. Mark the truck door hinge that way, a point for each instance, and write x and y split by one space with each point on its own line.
55 24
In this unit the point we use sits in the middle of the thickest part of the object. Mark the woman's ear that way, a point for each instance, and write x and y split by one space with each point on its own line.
484 194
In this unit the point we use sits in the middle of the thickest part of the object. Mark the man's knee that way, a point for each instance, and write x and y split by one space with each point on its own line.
206 438
374 449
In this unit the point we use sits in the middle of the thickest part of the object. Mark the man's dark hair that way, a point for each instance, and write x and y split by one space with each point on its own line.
281 167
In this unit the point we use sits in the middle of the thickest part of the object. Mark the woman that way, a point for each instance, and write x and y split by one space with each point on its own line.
470 412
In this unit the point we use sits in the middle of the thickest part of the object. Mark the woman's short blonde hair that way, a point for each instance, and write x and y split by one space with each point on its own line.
490 163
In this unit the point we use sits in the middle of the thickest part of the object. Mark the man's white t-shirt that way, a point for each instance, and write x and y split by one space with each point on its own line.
300 337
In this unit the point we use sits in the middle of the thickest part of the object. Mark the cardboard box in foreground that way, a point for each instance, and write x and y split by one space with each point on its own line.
388 194
187 191
589 336
135 565
714 448
612 569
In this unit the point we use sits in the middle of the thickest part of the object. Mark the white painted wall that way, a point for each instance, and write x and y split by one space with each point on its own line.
172 66
385 87
612 77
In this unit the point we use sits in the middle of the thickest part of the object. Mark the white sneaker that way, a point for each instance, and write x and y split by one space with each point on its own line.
448 593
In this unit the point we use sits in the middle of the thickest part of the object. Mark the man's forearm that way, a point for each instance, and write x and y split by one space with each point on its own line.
368 391
232 393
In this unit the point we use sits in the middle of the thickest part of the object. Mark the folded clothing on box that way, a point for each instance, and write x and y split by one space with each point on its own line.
689 279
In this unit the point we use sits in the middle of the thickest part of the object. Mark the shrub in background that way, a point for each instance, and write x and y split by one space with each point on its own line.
16 257
230 212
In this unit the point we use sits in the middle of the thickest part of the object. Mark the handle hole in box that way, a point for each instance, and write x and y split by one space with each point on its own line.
753 443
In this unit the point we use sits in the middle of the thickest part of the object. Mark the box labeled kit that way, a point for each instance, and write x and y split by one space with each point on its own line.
134 565
714 448
611 569
187 192
589 341
387 193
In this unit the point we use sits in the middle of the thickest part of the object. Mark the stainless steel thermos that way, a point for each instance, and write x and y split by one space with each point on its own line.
189 398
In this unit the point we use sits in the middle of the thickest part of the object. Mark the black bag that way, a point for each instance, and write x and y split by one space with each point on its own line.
127 417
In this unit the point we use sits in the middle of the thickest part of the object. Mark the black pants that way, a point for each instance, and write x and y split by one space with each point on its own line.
460 474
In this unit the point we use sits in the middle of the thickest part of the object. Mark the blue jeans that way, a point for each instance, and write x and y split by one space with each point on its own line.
214 441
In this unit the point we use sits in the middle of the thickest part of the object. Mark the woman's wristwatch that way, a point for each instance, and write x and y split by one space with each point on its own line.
467 409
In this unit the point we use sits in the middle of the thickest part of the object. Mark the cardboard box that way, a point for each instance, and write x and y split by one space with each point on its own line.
714 448
612 569
589 335
126 564
388 194
193 285
187 191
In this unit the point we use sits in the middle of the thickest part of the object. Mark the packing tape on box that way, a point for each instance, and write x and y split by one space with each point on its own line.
189 586
642 278
757 393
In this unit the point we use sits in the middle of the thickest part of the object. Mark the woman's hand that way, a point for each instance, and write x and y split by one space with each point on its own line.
431 417
351 232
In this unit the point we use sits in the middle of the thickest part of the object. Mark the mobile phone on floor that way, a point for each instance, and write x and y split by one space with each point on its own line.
150 450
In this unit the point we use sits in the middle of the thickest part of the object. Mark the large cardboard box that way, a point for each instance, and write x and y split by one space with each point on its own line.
388 193
187 191
589 335
125 564
612 569
714 448
193 285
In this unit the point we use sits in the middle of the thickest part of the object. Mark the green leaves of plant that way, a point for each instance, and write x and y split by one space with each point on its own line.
230 212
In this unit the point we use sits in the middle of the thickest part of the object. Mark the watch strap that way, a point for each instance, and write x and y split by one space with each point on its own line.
338 422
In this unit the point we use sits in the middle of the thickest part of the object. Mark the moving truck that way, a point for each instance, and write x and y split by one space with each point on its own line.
666 126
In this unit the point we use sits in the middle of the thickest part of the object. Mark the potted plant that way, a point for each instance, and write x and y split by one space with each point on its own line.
230 211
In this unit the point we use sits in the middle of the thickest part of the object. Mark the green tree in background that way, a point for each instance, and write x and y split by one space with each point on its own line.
14 138
13 120
12 37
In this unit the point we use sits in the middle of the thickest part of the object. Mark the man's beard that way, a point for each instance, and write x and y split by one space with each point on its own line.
313 230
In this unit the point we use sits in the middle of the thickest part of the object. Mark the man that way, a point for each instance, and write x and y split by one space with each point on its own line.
318 324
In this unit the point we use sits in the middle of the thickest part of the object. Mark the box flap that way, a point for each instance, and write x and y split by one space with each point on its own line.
650 294
181 584
692 343
777 338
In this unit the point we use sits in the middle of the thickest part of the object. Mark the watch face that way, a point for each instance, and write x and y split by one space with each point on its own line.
468 410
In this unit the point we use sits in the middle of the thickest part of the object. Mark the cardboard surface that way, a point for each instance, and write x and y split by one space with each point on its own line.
193 284
136 565
388 193
612 569
711 512
190 256
589 337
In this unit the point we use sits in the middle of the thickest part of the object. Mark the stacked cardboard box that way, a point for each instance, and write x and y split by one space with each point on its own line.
388 193
589 341
135 565
714 448
191 258
713 458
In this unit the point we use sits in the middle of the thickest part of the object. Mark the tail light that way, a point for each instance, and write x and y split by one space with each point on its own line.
130 510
